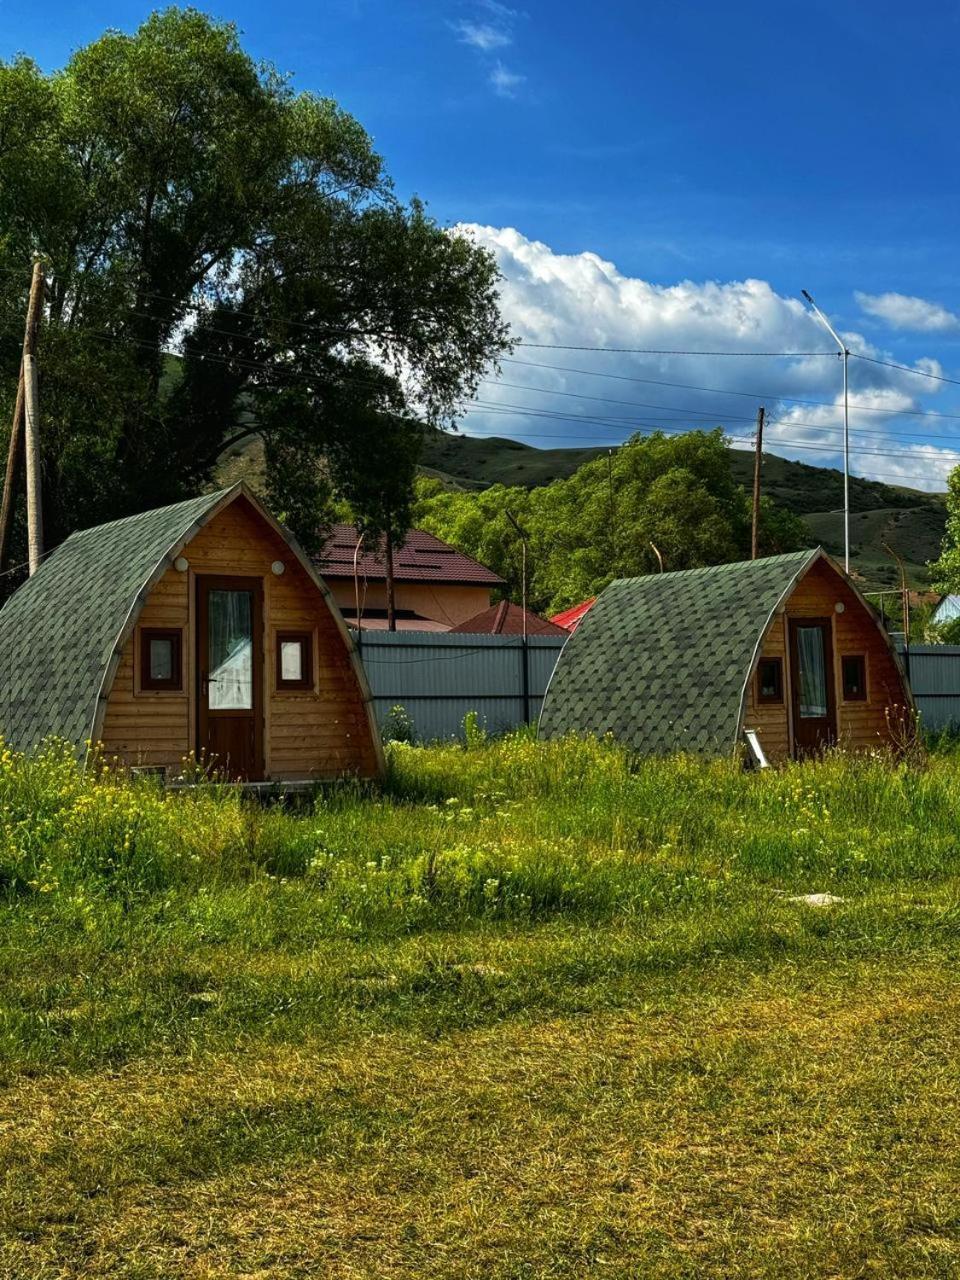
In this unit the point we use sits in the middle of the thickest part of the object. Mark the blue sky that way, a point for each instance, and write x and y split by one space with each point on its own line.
686 148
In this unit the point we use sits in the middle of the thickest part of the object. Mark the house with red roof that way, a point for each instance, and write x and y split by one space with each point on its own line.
571 618
436 587
506 619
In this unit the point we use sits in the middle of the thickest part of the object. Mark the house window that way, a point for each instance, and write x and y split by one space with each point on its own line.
770 680
854 667
294 660
161 664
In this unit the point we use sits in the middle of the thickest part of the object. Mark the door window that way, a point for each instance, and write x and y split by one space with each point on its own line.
812 671
230 650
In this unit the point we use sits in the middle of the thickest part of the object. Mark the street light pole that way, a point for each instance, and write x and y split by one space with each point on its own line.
845 357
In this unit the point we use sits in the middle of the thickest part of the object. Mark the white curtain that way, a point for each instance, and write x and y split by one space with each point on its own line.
230 650
813 673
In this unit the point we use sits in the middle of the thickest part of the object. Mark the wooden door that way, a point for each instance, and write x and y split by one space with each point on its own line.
812 685
230 675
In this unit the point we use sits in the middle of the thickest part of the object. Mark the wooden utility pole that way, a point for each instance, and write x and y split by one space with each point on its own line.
757 462
31 421
14 449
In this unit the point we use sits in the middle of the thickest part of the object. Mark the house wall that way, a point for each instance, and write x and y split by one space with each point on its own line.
446 604
859 724
318 733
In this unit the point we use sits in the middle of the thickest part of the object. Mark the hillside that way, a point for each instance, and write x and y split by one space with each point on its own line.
910 521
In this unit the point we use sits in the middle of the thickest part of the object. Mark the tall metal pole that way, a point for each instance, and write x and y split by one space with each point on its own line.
846 466
845 357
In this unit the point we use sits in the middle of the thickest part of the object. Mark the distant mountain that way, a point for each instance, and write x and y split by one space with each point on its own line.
908 520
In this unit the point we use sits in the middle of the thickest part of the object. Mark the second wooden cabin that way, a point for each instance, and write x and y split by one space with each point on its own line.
785 646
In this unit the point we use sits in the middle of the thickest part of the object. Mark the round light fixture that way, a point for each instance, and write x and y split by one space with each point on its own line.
839 606
277 567
181 564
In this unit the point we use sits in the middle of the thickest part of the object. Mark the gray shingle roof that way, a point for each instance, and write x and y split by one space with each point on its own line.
59 631
661 662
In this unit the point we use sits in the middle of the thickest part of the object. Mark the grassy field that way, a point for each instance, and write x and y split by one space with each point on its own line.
527 1012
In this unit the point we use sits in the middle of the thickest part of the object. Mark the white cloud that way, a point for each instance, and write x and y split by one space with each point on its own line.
901 311
482 36
490 29
505 82
581 299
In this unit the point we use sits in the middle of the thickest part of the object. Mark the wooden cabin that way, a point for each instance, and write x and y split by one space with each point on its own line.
785 646
196 628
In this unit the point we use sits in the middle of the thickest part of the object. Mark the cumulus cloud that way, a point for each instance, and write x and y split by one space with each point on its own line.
556 398
902 311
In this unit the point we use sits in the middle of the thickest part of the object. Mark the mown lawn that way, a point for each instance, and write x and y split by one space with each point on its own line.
528 1012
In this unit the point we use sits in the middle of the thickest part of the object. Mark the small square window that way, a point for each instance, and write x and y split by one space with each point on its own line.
160 658
294 660
854 677
770 680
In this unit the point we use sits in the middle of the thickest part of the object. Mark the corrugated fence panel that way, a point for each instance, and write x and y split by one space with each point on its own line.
438 678
935 679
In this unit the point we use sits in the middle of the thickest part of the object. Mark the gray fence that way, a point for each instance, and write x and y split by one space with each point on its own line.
934 671
438 677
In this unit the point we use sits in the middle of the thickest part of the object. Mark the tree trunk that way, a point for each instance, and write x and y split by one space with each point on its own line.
391 595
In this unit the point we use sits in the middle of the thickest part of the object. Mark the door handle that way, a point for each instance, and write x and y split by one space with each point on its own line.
204 684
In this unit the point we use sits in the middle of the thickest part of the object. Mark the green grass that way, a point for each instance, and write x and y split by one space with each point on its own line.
527 1011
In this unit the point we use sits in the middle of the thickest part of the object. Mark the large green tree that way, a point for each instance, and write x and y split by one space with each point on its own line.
945 572
669 494
186 198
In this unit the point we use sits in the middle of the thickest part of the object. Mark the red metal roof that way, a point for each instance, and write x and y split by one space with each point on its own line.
571 618
421 558
506 619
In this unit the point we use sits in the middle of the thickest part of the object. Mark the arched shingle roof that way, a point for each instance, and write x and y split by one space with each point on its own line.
661 662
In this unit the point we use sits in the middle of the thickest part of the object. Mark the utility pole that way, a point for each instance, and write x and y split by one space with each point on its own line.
525 662
14 449
757 462
31 424
845 357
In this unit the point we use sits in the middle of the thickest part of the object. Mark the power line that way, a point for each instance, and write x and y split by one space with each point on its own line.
722 415
526 412
662 351
919 373
723 391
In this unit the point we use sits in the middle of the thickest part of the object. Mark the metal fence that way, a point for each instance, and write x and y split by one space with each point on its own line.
934 671
438 678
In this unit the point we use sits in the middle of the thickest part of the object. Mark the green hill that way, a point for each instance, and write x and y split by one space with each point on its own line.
908 520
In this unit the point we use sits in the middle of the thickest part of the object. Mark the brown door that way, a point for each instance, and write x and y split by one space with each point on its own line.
230 675
812 691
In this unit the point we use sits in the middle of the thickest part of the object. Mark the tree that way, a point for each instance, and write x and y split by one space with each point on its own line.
945 572
672 493
186 197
